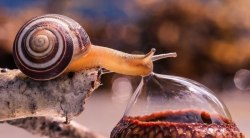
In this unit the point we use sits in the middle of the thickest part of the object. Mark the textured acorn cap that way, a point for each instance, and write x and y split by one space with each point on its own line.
184 124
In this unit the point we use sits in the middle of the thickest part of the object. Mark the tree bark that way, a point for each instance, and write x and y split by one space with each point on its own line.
53 128
64 96
34 105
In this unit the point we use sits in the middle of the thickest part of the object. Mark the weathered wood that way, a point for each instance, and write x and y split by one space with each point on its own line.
53 128
64 96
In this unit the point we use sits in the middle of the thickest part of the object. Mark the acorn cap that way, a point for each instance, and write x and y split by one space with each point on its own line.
183 123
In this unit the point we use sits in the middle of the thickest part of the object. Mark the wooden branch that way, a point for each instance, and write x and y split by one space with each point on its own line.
22 97
53 128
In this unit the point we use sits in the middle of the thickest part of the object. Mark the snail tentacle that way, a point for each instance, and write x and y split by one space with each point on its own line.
162 56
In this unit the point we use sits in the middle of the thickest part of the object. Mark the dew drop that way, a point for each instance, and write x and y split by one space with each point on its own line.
164 104
242 79
121 95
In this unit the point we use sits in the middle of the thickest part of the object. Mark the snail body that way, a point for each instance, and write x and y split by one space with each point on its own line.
114 60
49 45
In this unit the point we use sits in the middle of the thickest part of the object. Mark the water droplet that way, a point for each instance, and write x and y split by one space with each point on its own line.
242 79
121 89
164 104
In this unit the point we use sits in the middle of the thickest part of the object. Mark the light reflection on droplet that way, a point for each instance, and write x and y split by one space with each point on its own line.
163 102
164 92
242 79
121 89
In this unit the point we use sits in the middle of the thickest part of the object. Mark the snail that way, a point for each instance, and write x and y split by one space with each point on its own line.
52 44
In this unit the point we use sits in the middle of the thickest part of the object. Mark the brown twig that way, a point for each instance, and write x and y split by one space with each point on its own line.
33 105
53 128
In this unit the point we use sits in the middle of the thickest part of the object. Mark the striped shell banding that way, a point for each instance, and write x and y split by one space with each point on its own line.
45 45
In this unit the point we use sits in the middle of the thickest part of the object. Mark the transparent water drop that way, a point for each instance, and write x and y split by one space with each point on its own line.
171 106
121 95
160 92
242 79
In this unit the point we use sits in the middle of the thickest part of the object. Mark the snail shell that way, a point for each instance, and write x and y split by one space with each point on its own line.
45 45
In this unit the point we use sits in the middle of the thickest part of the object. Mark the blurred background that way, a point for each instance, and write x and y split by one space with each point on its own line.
211 38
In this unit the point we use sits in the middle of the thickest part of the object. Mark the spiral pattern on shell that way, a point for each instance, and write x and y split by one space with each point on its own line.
45 45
